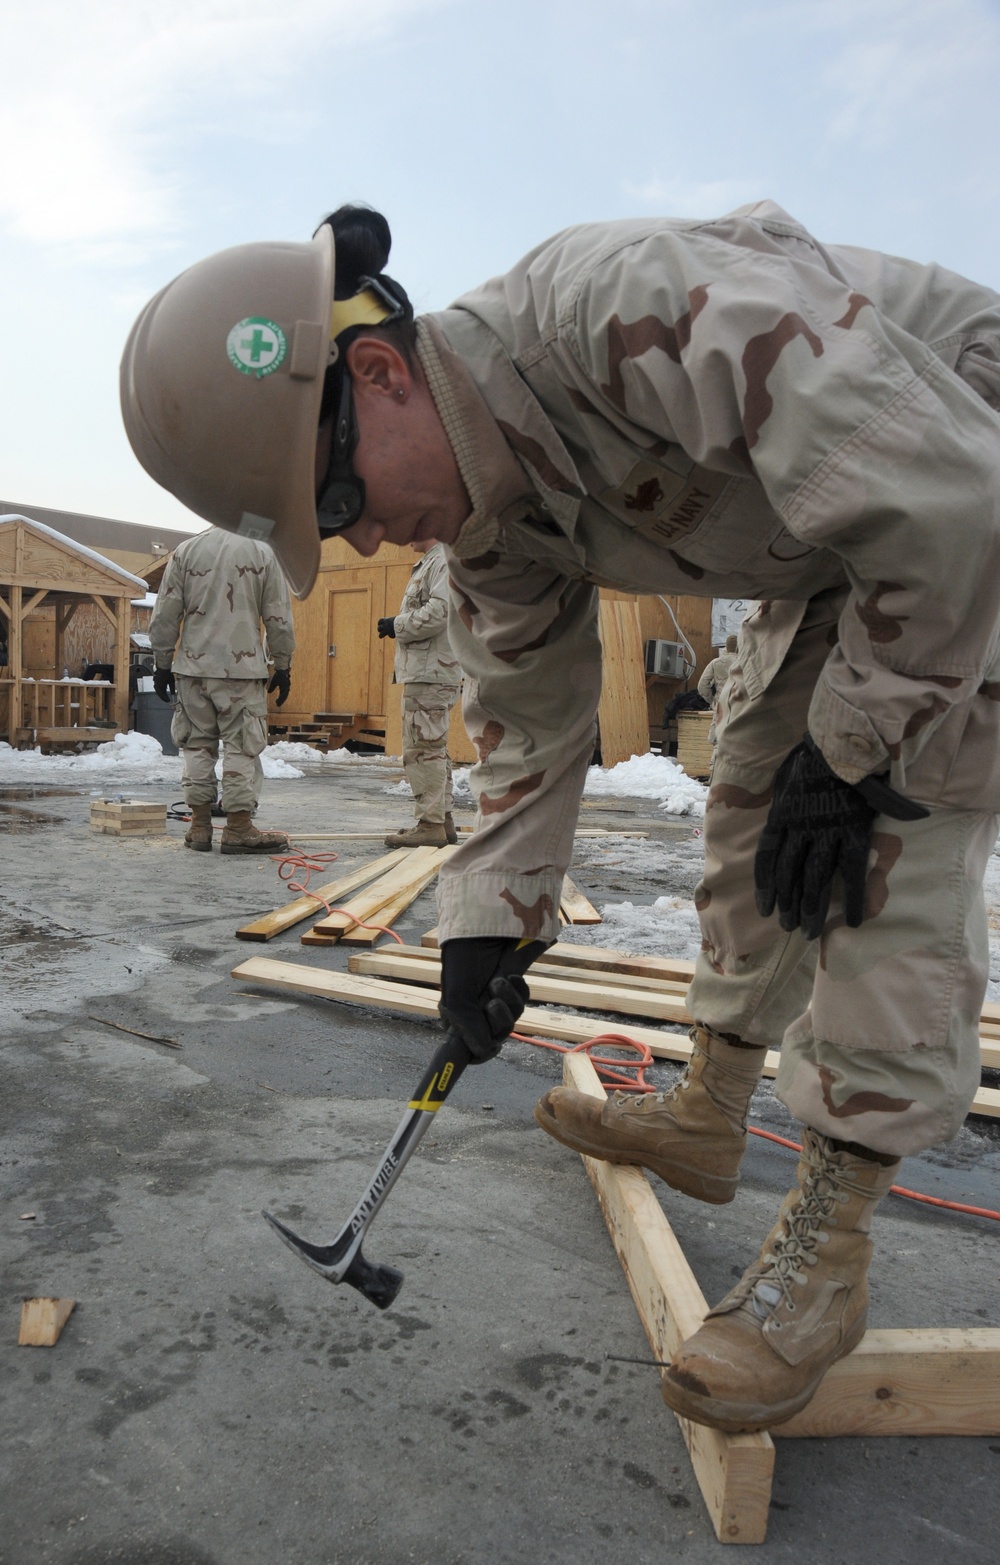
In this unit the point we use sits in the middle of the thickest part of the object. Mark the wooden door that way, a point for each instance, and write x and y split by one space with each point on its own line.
349 644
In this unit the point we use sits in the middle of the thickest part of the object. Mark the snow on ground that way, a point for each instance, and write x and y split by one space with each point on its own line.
128 758
642 777
649 777
668 928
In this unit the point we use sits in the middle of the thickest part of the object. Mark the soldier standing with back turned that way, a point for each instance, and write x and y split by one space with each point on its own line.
206 636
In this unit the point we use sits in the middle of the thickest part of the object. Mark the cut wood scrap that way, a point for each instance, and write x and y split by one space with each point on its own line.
927 1382
414 1000
154 1037
42 1321
575 907
544 986
733 1471
382 891
387 915
294 912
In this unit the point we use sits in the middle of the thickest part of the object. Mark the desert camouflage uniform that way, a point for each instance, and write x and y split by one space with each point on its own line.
731 409
428 670
711 685
216 591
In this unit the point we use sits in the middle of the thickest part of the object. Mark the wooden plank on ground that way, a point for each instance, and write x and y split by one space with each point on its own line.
673 968
294 912
733 1471
387 915
414 1000
575 907
928 1382
554 968
42 1321
543 988
381 891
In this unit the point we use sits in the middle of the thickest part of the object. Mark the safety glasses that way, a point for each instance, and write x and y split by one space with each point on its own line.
340 498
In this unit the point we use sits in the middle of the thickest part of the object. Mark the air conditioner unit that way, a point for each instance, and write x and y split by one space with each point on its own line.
665 658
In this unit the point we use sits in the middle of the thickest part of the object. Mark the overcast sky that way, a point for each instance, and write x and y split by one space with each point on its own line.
137 136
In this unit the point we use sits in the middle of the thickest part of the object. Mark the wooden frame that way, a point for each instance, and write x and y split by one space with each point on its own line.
935 1382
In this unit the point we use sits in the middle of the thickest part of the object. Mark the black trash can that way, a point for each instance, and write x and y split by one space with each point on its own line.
152 716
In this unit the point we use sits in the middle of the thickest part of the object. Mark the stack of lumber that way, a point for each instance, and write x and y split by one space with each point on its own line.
582 978
694 753
379 892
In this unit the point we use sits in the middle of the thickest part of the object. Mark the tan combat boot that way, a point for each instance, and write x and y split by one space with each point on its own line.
199 834
692 1136
425 834
450 829
241 836
800 1307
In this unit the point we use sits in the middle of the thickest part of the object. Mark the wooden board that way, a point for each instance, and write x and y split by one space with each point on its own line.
294 912
543 987
621 716
388 915
42 1321
416 1001
928 1382
382 891
733 1471
575 907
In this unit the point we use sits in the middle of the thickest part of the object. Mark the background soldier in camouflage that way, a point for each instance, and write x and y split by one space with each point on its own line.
431 679
713 680
217 591
733 409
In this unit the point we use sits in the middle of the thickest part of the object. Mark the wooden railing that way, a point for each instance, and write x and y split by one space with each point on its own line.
66 703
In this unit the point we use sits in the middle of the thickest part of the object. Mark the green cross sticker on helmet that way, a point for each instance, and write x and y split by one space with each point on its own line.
256 346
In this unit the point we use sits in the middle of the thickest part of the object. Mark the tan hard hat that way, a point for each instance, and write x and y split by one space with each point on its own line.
221 385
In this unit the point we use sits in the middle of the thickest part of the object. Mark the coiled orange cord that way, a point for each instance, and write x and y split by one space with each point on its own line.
307 864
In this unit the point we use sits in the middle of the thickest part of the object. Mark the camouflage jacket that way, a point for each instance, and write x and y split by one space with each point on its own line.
217 590
728 409
423 651
714 676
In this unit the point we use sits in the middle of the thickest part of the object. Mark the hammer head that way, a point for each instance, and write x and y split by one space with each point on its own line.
379 1284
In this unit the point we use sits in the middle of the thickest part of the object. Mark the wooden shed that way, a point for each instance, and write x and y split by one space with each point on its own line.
45 579
342 673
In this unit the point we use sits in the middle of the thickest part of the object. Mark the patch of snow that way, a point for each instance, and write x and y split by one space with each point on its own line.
649 777
668 928
292 751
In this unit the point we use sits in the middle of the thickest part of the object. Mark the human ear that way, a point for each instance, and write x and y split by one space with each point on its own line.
376 366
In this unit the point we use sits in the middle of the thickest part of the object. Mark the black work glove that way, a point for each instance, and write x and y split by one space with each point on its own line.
281 681
387 627
819 824
164 683
482 990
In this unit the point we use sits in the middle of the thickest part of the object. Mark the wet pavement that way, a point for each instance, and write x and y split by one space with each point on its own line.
212 1402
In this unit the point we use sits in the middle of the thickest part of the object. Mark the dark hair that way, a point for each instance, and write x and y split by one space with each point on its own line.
363 239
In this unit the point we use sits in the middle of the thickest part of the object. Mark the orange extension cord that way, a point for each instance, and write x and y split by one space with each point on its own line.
610 1072
308 864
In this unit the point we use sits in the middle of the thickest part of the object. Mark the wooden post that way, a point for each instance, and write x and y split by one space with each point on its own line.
16 664
122 644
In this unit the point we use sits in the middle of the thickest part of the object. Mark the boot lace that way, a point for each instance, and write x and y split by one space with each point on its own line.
776 1274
